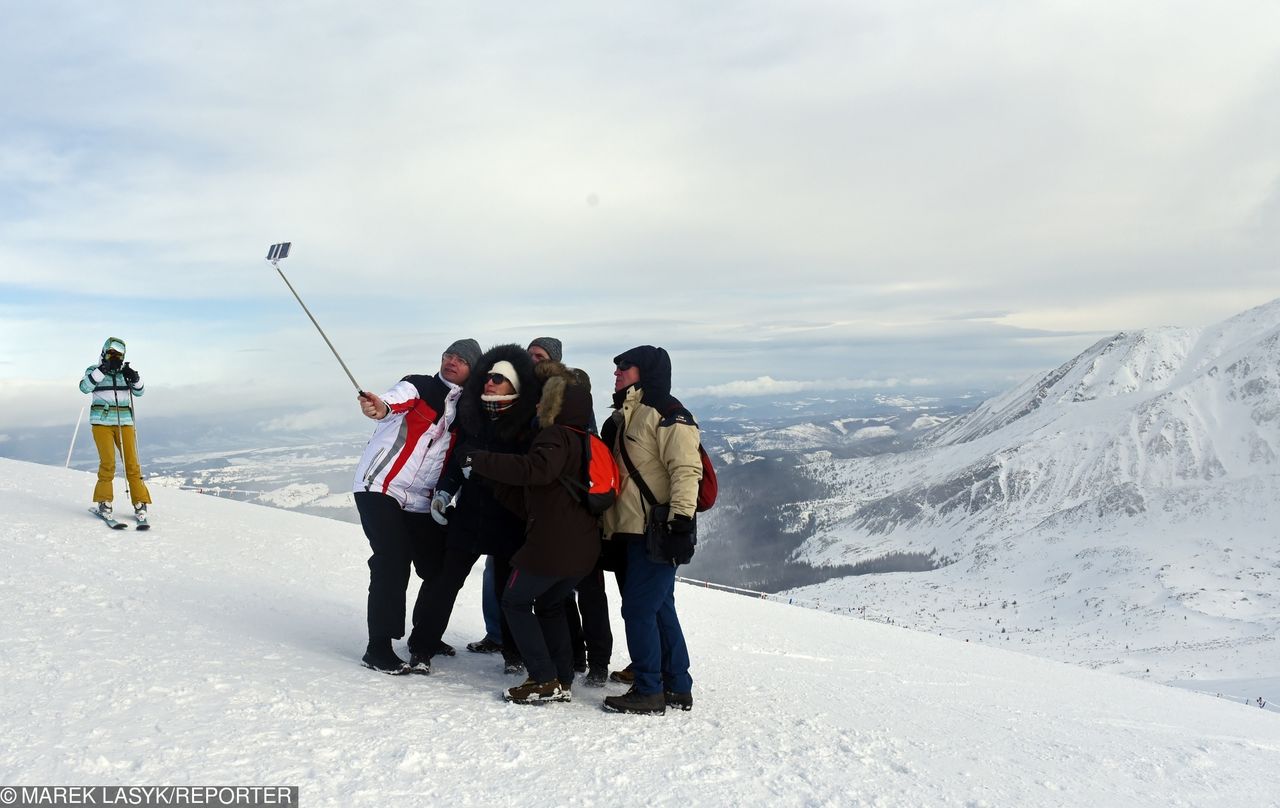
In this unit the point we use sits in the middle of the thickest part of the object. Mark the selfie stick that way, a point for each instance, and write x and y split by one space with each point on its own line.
275 255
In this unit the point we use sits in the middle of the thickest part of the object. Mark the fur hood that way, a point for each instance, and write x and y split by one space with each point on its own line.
566 396
471 415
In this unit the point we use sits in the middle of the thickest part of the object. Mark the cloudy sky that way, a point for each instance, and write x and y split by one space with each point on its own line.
906 192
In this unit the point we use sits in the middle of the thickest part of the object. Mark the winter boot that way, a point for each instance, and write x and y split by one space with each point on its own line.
513 667
597 675
680 701
626 675
420 664
636 703
446 649
380 657
485 646
532 692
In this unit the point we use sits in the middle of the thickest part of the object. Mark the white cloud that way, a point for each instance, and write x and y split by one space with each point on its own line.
781 189
767 386
309 420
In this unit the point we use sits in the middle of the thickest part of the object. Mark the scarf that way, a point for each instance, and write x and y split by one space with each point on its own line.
495 406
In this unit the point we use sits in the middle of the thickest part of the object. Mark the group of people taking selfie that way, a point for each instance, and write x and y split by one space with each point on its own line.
487 457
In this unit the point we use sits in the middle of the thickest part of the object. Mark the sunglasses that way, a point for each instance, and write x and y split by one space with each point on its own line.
624 365
495 378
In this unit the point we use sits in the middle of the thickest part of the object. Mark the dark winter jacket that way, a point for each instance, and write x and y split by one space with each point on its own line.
562 538
479 522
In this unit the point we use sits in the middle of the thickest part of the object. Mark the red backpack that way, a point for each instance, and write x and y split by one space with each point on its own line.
603 482
708 486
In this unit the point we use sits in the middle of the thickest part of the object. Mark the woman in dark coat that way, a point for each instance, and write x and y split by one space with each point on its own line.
562 538
495 414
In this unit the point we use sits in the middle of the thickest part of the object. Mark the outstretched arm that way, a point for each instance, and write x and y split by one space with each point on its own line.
543 464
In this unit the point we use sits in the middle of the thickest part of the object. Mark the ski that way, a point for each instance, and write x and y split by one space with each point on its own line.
111 523
143 524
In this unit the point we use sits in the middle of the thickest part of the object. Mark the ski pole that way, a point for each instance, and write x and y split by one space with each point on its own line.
75 435
115 391
275 255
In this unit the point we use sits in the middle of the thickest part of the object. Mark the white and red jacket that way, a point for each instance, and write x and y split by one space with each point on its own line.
410 445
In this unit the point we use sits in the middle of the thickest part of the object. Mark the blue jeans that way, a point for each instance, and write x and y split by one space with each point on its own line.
489 605
659 656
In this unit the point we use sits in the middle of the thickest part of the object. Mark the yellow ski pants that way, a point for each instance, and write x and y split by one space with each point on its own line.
108 439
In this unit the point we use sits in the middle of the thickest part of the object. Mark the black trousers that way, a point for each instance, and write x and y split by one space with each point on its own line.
534 606
573 620
590 636
613 557
436 598
399 540
501 575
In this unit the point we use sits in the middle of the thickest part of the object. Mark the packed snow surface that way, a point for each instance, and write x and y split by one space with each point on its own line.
222 647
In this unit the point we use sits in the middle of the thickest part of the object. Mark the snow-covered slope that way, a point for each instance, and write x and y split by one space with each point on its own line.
222 648
1127 501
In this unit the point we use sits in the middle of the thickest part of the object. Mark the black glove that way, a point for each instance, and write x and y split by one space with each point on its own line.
680 525
110 365
681 539
130 375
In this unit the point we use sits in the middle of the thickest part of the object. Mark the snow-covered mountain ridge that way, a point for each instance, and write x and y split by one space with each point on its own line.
222 648
1153 452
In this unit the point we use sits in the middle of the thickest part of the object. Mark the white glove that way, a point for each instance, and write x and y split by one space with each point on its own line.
438 503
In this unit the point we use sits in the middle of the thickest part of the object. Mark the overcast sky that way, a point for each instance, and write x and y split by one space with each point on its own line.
848 193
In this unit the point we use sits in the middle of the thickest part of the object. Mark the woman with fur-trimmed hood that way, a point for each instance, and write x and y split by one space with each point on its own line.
495 414
562 538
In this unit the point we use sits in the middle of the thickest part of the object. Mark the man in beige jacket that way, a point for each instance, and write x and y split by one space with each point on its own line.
655 442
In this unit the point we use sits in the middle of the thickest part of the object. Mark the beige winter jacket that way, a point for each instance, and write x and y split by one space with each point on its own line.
665 454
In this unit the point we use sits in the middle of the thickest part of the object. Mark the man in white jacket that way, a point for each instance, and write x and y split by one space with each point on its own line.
394 484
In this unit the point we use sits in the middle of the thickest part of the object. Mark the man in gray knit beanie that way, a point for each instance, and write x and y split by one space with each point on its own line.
544 348
468 350
395 486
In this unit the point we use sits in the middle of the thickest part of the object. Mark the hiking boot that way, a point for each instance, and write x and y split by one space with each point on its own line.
626 676
597 675
682 701
513 667
532 692
485 646
104 508
636 703
379 656
420 664
446 649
